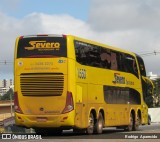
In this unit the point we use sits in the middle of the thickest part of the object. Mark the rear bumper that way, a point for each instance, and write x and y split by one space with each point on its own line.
48 121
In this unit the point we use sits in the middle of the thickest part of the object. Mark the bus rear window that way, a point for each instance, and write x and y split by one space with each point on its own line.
41 47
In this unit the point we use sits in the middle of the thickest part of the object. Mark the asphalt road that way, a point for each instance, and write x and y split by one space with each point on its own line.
145 133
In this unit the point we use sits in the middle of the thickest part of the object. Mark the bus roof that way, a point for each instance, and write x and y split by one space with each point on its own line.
81 39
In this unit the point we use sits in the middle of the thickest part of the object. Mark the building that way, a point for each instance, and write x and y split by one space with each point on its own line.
153 76
6 106
5 85
156 93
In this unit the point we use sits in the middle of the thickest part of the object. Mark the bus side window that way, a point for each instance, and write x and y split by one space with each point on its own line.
121 62
78 55
81 53
135 68
94 58
105 59
131 65
83 56
113 61
141 66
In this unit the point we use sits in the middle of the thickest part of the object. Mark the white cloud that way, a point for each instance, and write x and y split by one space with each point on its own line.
124 15
10 5
35 23
128 24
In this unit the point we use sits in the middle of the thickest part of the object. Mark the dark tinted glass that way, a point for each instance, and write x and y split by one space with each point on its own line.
121 95
31 47
97 56
141 66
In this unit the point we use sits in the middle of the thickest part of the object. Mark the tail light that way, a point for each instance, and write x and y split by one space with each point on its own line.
16 103
69 103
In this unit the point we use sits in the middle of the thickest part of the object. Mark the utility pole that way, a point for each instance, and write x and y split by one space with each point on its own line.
10 95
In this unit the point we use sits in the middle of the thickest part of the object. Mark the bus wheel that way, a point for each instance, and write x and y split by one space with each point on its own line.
90 127
99 124
137 123
130 126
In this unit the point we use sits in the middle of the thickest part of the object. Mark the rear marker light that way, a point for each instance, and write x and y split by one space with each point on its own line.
21 37
69 103
16 103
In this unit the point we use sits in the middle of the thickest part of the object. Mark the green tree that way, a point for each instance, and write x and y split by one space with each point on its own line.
9 95
157 92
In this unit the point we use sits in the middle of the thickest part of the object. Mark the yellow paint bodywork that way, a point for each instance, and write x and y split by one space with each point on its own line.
87 93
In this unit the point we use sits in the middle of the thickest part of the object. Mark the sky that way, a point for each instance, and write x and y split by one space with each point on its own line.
128 24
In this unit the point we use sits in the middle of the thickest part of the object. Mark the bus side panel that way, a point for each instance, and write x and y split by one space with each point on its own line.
116 115
144 109
81 118
95 94
78 86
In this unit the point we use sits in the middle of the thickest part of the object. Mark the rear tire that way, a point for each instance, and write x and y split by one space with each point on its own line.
130 126
137 123
99 124
91 122
149 121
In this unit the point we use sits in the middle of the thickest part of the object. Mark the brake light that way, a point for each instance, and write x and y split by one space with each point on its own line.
16 103
64 36
69 103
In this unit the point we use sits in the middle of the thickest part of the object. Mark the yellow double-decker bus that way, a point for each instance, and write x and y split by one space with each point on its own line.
64 82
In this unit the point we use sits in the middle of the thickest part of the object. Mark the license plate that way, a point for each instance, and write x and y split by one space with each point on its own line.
41 119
